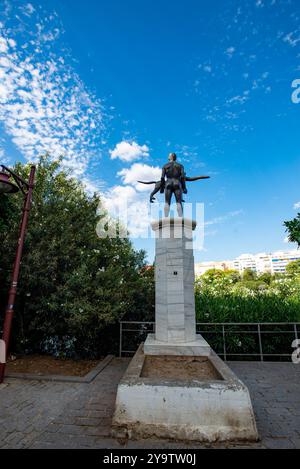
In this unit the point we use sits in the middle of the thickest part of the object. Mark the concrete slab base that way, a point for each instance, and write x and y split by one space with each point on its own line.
156 347
183 409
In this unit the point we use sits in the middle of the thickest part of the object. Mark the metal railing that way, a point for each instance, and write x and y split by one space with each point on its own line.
225 331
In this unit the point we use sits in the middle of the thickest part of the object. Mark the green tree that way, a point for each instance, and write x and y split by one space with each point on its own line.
293 229
266 277
249 274
5 211
232 275
211 275
293 268
73 285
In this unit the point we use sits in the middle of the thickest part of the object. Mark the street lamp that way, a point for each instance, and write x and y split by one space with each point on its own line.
6 186
9 187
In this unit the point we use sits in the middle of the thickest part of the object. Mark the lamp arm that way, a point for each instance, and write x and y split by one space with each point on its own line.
18 180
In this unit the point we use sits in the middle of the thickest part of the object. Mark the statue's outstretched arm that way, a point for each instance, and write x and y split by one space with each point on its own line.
196 178
147 182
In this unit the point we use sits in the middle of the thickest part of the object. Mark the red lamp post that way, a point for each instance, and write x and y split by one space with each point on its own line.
6 187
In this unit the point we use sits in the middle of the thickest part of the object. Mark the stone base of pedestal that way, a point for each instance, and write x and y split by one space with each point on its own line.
209 406
198 347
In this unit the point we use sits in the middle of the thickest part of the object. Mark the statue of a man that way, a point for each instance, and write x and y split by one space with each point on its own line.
173 182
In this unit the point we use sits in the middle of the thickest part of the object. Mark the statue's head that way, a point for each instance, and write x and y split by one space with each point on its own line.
172 156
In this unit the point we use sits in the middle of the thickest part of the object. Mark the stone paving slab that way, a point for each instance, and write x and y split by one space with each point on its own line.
46 414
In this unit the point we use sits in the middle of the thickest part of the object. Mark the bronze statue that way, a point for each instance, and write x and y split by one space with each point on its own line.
173 181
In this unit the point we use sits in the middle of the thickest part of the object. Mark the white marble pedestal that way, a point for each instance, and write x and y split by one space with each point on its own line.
201 407
217 409
175 323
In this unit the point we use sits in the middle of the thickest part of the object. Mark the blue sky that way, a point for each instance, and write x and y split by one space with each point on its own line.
114 86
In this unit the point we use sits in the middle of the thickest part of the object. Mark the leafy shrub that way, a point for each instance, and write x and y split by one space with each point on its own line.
73 286
248 301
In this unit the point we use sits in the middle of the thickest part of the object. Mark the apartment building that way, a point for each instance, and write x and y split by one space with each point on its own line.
274 262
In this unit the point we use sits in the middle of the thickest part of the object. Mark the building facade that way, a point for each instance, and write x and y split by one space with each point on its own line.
260 263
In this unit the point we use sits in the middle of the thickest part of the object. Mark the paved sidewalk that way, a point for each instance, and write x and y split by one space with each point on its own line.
44 414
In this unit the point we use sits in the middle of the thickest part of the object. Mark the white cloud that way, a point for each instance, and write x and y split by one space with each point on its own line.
44 105
286 240
238 99
129 151
188 154
118 195
296 205
292 38
259 3
140 172
12 43
230 51
207 68
27 9
3 158
3 45
223 218
92 185
131 208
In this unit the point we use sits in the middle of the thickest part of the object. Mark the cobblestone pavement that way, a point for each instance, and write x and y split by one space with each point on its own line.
44 414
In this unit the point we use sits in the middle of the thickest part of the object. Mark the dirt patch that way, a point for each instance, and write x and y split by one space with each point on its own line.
179 368
45 365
